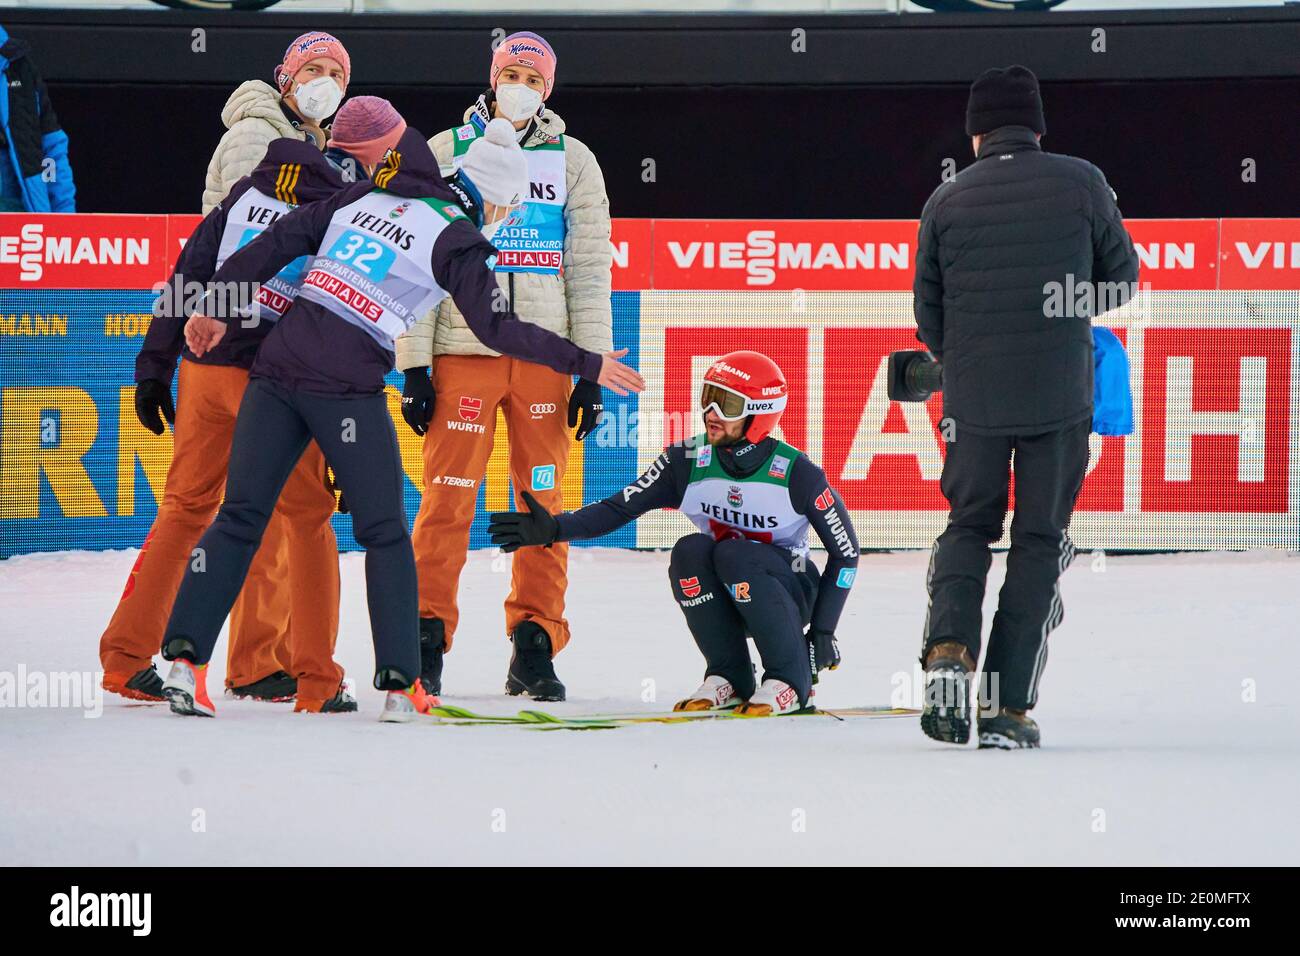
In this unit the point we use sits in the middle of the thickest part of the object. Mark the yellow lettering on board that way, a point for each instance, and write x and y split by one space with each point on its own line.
135 441
22 457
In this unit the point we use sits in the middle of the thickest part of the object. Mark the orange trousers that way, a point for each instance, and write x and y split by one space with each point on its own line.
287 614
535 401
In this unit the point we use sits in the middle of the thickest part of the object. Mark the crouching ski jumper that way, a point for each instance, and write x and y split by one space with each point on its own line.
747 573
385 251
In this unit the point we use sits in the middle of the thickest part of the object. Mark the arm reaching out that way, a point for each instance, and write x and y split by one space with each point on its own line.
660 486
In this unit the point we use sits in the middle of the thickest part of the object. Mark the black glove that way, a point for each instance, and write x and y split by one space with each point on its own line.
417 399
823 652
512 530
585 398
151 398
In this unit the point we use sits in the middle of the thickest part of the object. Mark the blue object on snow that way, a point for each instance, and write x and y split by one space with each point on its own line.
1112 398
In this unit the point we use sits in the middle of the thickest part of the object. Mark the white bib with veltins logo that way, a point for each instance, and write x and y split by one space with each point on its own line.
757 507
374 265
248 217
532 238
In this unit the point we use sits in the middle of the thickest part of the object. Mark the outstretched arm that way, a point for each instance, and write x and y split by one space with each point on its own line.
662 485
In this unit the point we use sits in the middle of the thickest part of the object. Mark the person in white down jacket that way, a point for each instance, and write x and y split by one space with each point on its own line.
309 85
553 268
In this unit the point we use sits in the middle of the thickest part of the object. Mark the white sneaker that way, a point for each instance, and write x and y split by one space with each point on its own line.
716 693
773 698
186 690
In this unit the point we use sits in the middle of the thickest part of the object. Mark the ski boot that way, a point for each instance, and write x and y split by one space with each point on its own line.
344 701
716 693
945 714
432 643
531 671
403 703
186 689
273 688
1008 730
774 698
142 685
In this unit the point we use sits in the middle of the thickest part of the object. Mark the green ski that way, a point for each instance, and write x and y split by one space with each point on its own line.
543 720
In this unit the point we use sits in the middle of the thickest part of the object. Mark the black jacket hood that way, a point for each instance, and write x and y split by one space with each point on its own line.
295 172
410 169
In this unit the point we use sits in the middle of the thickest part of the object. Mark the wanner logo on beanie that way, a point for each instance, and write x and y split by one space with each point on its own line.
520 46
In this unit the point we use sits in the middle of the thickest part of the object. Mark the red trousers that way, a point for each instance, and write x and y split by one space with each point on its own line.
534 400
287 614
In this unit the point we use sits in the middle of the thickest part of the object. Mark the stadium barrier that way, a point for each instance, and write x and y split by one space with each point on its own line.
1212 339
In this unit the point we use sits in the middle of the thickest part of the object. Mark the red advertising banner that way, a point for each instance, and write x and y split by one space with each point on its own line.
1260 254
78 251
631 241
783 254
1177 253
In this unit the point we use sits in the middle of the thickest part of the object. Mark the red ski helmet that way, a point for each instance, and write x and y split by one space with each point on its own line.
746 384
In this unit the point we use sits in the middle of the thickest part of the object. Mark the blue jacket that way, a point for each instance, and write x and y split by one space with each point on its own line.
1112 398
32 135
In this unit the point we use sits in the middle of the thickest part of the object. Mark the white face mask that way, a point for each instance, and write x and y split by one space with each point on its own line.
318 99
490 229
517 101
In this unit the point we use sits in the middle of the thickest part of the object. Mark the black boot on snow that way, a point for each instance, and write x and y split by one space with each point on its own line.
432 641
1008 730
144 685
275 687
945 713
531 670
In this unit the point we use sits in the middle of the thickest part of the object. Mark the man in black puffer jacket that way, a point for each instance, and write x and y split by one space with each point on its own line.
1015 254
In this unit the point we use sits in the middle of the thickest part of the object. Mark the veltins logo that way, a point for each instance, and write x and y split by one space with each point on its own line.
734 497
544 478
690 586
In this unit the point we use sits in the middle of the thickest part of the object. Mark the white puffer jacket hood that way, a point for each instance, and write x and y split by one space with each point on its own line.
574 304
253 118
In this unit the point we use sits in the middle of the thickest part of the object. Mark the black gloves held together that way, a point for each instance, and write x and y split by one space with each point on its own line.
585 399
417 399
153 403
512 530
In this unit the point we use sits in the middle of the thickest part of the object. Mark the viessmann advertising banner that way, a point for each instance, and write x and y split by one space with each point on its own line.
1212 341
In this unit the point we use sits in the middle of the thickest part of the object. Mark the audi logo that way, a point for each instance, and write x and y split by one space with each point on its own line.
542 408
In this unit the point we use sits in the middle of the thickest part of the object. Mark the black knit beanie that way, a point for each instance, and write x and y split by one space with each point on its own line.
1005 98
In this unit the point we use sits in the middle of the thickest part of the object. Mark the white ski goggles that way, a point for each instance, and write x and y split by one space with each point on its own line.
731 405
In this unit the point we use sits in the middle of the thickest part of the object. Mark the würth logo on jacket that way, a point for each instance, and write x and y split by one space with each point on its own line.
824 500
690 586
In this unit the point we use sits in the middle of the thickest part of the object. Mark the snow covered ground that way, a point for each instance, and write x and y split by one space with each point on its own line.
1171 733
